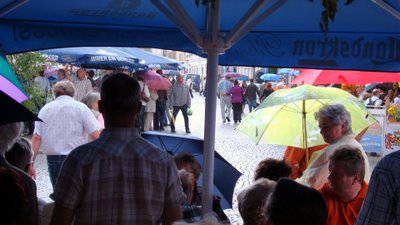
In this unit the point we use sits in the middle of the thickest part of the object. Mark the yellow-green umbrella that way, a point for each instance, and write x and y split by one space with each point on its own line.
286 117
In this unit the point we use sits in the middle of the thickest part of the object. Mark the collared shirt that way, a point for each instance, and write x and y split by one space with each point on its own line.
224 86
180 95
119 178
317 171
66 125
82 87
382 203
339 212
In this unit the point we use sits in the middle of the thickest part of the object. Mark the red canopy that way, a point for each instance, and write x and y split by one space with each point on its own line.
314 77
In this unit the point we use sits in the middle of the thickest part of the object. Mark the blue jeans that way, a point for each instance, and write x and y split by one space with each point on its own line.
54 163
252 104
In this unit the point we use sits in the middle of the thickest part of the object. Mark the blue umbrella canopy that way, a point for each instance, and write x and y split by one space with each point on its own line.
226 175
363 36
152 60
95 57
243 77
270 76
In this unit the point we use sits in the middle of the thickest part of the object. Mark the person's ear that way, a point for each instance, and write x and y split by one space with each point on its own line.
100 103
357 178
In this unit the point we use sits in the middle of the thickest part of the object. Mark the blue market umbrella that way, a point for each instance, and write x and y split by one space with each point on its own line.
95 57
270 76
261 33
243 77
152 60
225 175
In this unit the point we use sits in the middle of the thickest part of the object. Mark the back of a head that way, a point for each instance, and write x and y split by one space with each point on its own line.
252 199
272 169
64 87
293 203
120 95
90 98
9 133
20 154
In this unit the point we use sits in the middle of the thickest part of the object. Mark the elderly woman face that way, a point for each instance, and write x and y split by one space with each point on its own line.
330 131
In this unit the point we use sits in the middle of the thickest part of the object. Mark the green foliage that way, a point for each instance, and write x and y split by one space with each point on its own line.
329 12
327 15
27 66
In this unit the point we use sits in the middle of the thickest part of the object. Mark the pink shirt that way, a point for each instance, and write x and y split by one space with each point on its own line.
236 93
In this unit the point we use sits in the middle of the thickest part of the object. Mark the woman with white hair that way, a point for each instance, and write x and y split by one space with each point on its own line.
92 101
335 124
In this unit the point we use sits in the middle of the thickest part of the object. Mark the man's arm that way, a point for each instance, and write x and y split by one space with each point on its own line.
61 215
95 134
36 142
170 215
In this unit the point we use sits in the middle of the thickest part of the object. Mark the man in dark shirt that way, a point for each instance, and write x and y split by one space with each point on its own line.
251 95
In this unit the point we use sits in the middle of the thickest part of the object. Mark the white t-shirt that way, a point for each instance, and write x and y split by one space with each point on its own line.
189 83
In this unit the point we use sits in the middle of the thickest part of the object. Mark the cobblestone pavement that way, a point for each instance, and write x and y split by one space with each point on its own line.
235 147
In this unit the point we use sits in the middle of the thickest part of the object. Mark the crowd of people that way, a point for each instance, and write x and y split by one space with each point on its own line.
107 173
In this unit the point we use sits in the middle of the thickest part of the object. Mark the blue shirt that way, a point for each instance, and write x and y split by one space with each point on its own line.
224 86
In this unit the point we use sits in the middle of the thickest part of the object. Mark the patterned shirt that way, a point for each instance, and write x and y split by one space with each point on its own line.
382 203
120 178
66 125
82 87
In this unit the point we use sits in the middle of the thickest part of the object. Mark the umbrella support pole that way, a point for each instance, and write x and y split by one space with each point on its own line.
305 139
209 133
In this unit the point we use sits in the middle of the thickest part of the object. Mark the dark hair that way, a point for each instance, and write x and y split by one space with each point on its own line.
291 203
159 72
20 154
91 73
236 82
62 71
252 199
272 169
120 95
186 158
352 158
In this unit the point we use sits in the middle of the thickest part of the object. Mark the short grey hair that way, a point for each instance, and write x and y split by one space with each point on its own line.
90 98
338 114
9 134
64 87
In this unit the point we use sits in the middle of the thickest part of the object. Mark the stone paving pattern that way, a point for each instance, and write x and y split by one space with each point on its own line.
234 146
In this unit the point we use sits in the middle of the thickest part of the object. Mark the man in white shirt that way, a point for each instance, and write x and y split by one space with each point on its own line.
66 125
374 101
189 83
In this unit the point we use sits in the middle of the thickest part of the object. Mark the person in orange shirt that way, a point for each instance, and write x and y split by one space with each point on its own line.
296 158
346 189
